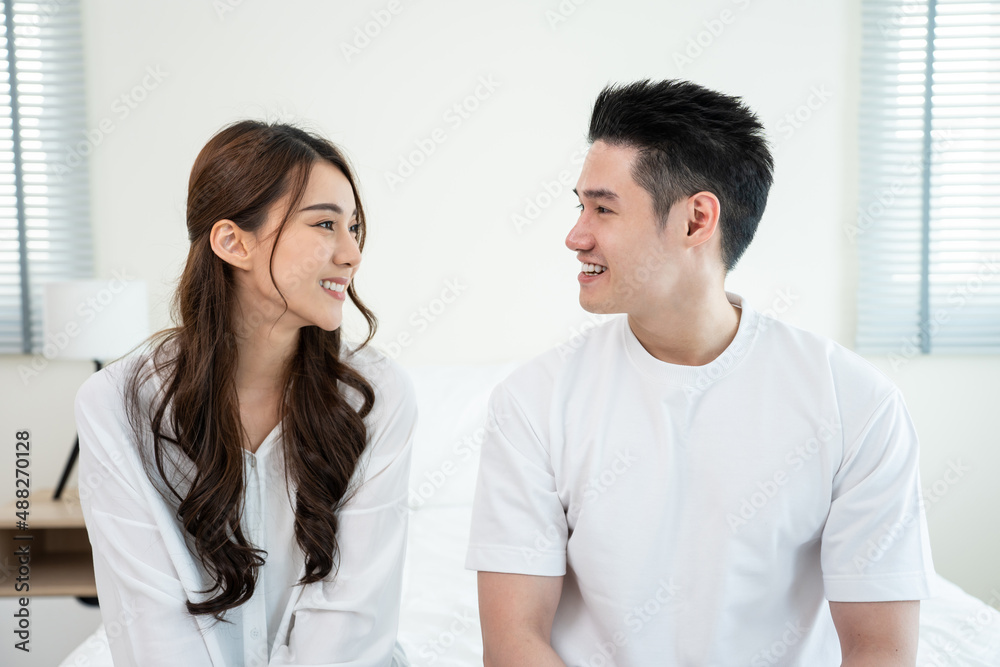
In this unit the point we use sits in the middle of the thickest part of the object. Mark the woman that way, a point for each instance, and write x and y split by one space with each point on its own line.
244 477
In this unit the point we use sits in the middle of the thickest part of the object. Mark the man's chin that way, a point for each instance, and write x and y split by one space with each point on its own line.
598 308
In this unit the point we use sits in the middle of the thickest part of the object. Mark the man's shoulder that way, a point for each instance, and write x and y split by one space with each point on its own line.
816 358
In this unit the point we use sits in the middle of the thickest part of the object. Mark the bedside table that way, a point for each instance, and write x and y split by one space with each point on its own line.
61 558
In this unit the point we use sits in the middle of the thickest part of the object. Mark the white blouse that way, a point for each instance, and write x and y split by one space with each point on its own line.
146 567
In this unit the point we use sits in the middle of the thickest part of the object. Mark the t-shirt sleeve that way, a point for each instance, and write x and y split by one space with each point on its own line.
518 520
351 617
875 544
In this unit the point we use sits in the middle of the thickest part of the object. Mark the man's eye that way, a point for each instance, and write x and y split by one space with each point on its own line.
580 206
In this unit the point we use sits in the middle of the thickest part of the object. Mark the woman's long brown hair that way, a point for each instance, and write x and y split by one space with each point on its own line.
193 420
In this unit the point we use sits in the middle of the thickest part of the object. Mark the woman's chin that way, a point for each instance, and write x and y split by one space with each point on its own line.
329 326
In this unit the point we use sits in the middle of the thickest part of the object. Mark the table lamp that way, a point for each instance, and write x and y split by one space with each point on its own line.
99 320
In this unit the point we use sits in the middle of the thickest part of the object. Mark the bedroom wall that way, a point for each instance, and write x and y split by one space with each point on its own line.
466 125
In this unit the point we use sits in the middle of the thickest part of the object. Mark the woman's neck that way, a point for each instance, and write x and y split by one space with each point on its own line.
263 355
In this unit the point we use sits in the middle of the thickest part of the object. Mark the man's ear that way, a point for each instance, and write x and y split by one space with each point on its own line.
231 243
703 211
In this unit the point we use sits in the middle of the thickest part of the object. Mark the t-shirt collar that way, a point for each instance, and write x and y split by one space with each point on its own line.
695 378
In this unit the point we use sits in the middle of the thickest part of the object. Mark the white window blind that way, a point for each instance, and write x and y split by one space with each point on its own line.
44 202
928 223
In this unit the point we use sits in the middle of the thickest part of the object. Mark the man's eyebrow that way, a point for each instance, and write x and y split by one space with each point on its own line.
599 193
327 207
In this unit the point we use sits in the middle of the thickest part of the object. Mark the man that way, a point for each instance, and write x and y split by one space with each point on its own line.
695 483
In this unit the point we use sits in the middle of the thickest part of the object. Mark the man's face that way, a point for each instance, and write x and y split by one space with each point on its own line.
638 265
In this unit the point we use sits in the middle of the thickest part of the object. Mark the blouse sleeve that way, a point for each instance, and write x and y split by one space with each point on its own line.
141 595
351 617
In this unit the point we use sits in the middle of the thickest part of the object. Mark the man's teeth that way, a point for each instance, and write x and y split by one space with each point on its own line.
594 269
336 287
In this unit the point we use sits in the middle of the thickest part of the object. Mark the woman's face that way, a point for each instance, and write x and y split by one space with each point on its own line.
315 258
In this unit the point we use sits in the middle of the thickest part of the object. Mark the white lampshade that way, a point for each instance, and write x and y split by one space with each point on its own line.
94 319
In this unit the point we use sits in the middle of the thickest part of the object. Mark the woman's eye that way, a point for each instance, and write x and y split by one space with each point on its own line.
326 222
356 228
580 206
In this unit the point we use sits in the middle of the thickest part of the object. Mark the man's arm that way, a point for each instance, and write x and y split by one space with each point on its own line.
876 497
517 611
877 634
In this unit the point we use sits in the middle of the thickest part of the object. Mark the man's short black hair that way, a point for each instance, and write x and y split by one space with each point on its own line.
691 139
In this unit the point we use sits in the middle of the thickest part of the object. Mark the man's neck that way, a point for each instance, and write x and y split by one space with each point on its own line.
688 333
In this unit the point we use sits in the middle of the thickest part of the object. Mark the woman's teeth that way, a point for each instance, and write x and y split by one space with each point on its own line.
336 287
594 269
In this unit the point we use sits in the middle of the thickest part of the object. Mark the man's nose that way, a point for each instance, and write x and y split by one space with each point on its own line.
579 238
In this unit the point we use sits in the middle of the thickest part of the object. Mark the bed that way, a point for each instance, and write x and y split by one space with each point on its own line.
439 623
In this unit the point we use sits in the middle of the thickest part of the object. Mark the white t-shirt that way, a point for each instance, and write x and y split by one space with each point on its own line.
702 515
146 567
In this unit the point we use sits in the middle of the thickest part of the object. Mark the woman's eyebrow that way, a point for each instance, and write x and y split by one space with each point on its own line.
328 207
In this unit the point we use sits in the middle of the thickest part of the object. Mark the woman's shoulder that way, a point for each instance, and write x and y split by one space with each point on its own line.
386 375
105 388
394 414
392 420
102 418
114 396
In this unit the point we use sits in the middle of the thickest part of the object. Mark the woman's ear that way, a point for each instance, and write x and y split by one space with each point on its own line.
231 243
